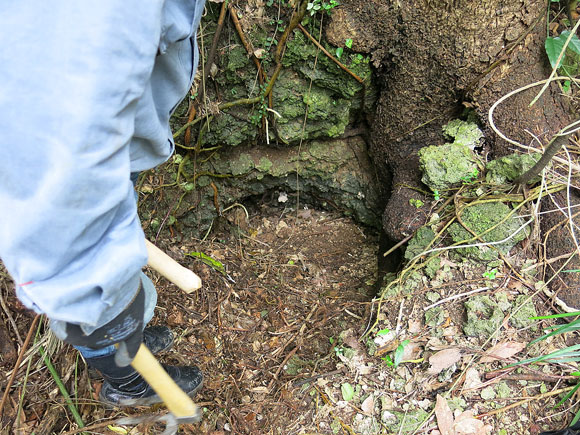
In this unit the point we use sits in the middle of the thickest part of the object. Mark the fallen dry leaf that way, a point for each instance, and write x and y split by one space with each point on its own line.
505 349
472 379
368 405
467 424
443 360
412 351
415 326
444 416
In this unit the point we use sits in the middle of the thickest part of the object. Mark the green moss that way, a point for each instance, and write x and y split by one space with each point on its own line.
229 130
264 165
522 319
423 236
434 316
508 168
483 316
464 133
411 283
503 390
481 217
242 165
446 166
407 422
328 114
432 266
416 203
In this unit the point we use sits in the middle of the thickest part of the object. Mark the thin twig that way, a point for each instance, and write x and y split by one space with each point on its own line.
524 401
10 318
330 56
18 361
450 298
280 367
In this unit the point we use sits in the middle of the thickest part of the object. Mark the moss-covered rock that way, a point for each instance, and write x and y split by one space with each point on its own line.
464 133
447 165
411 283
423 236
330 174
523 317
508 168
405 422
308 81
481 218
483 316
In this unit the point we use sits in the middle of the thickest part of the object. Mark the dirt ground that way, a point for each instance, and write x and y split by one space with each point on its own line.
277 331
263 329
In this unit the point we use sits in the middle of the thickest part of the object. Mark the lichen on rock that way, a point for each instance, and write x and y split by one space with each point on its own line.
419 242
464 133
484 316
447 165
508 168
491 222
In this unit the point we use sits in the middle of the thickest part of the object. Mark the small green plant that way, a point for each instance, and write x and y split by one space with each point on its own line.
436 195
490 274
397 356
569 63
471 177
567 355
321 5
416 203
262 109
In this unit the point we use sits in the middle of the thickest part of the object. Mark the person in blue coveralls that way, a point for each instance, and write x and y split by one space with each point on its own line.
86 92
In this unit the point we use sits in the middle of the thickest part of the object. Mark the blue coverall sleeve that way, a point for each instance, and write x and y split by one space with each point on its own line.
76 107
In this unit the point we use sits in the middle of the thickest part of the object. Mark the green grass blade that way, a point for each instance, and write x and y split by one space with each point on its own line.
556 316
62 388
209 261
568 327
567 396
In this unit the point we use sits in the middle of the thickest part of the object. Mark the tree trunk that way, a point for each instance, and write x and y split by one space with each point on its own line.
434 57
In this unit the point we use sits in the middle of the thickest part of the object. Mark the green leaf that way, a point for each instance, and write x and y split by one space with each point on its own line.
348 43
388 360
574 43
339 51
399 352
383 332
347 391
556 316
554 47
209 261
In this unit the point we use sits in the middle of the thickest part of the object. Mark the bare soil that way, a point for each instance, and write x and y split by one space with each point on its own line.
278 332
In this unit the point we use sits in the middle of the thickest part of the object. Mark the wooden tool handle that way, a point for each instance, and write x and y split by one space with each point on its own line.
178 403
183 278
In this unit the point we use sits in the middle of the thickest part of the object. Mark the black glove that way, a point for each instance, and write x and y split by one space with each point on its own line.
125 330
572 430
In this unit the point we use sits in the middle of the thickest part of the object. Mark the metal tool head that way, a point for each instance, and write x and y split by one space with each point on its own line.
171 421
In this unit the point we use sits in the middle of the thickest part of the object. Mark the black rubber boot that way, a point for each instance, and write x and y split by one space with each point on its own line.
158 338
123 386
